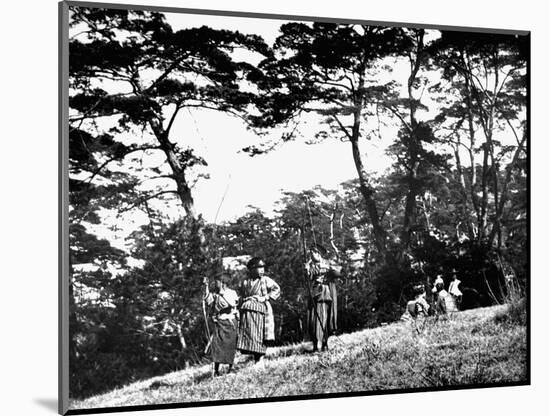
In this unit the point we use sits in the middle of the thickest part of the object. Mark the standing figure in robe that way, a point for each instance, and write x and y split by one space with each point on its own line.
323 302
257 324
223 303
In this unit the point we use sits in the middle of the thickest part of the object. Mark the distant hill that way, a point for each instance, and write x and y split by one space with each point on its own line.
475 347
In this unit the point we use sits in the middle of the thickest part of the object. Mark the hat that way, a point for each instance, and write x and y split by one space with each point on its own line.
438 282
255 262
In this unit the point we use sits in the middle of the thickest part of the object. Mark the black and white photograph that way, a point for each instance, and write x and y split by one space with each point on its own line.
273 208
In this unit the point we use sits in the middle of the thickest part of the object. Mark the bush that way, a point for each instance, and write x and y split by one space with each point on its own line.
515 313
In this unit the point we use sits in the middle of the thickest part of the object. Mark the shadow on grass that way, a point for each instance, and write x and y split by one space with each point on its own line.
206 375
290 351
157 385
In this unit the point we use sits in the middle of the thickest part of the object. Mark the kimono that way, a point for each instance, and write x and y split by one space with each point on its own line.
445 303
437 280
453 288
418 307
257 323
455 292
224 335
322 307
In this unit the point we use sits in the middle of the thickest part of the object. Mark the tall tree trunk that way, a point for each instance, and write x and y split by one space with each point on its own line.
368 197
482 224
409 216
496 228
473 178
490 173
366 190
464 192
504 196
414 146
178 170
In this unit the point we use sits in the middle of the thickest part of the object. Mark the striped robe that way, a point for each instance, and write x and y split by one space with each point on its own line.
257 323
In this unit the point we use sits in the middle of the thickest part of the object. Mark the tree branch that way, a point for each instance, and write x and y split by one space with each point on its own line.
513 131
147 198
170 176
165 74
385 210
327 81
396 112
172 119
342 127
112 159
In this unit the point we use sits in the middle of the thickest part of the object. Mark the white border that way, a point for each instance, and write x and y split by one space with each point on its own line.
29 205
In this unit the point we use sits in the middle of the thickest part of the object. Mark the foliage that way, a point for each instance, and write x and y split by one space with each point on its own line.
147 320
130 76
157 305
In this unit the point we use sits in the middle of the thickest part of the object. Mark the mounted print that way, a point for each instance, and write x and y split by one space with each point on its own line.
268 208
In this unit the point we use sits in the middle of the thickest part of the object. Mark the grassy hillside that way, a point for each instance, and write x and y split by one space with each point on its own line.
479 346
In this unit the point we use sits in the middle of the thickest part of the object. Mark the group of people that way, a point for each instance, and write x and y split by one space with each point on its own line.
244 320
444 301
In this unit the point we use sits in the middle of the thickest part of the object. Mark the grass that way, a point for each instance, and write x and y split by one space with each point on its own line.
486 345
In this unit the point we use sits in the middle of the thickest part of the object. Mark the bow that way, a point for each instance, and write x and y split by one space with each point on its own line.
307 274
215 229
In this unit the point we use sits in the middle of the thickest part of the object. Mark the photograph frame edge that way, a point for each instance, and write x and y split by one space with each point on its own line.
277 16
63 200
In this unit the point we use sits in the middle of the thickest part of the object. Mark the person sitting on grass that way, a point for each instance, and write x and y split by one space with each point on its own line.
418 307
223 303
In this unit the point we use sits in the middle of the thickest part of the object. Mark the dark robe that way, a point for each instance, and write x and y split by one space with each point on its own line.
224 334
323 304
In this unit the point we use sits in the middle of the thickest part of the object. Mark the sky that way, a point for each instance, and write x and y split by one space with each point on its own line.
257 180
236 180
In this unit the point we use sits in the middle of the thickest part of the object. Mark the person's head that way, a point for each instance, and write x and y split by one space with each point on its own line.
439 286
418 290
453 274
256 267
221 280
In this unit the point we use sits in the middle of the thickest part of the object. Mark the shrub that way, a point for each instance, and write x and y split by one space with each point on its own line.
515 313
